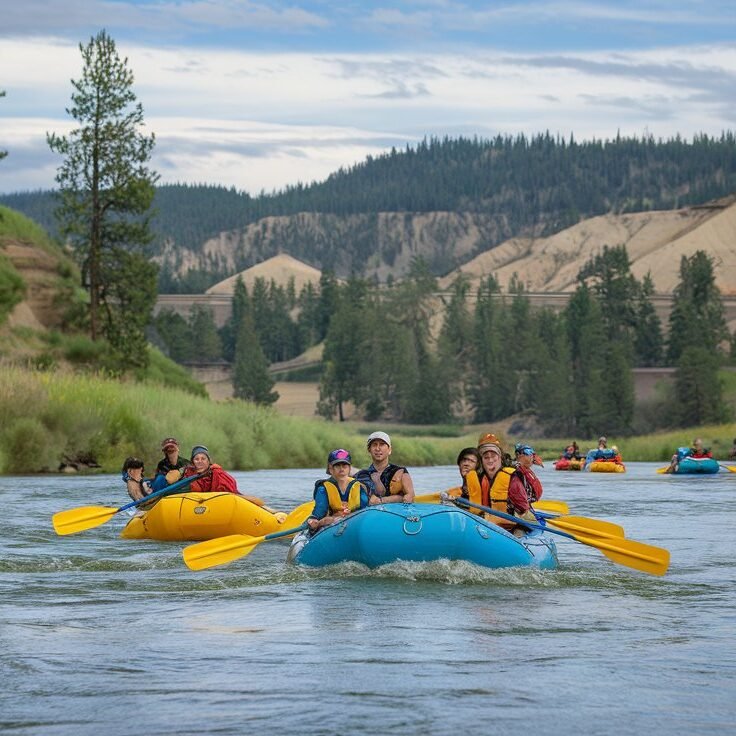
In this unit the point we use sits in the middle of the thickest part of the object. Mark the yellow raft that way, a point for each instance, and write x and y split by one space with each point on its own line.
606 466
199 516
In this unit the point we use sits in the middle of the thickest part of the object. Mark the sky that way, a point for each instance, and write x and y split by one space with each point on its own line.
261 95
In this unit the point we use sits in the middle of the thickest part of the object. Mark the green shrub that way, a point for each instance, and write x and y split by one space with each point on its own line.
12 287
27 447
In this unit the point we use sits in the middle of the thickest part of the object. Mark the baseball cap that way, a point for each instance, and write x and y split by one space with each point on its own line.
339 456
379 436
169 442
522 449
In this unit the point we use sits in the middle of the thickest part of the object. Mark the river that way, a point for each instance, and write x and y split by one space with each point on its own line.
100 635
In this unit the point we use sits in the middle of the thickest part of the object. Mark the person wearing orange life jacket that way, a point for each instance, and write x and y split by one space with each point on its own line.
339 495
525 458
498 485
386 482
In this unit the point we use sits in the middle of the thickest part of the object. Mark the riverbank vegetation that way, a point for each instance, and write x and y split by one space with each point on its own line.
53 419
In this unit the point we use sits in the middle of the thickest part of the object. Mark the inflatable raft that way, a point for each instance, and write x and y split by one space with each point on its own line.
568 464
606 466
379 535
199 516
690 465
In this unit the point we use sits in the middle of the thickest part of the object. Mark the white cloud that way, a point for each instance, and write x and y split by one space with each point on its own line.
257 120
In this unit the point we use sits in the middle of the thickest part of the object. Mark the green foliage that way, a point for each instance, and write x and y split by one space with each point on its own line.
164 372
251 379
698 390
175 334
12 287
105 193
697 317
206 344
27 447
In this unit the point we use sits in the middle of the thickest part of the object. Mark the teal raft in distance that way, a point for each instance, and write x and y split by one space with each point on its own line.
697 465
381 534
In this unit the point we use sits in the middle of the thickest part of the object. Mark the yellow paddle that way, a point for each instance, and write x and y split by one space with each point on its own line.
555 507
222 550
637 555
76 520
299 515
586 526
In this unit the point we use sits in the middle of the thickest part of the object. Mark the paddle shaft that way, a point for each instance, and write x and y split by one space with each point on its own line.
173 488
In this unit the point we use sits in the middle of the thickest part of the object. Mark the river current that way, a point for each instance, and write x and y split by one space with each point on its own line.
100 635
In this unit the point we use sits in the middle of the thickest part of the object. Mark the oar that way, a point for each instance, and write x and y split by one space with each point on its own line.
555 507
222 550
76 520
637 555
730 468
299 514
583 525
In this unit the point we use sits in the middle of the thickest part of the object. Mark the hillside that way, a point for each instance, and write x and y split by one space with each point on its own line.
444 200
655 242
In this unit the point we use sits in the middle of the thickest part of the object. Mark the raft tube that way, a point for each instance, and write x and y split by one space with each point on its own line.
692 465
564 464
199 516
606 466
379 535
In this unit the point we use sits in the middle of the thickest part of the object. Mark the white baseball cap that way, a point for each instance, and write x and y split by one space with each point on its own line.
379 436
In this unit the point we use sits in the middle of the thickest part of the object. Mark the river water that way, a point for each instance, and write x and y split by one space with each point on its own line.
100 635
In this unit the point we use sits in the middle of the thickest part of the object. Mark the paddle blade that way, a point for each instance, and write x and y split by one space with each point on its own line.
663 470
76 520
299 515
587 526
437 497
554 507
219 551
627 552
730 468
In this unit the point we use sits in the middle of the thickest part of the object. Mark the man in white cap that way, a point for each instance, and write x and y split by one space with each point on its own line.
386 482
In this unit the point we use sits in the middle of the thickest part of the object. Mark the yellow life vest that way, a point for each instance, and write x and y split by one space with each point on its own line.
497 496
337 505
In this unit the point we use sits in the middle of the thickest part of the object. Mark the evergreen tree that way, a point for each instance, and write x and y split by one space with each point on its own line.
105 191
176 335
342 355
328 297
697 317
206 344
698 389
240 308
648 340
251 379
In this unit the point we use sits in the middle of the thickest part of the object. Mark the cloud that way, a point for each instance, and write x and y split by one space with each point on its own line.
258 120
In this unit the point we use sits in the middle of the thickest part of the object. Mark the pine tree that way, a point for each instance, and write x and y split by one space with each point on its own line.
697 316
206 344
251 379
648 340
698 390
106 191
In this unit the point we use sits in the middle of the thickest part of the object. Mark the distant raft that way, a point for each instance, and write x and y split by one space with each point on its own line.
199 516
379 535
697 465
606 466
568 464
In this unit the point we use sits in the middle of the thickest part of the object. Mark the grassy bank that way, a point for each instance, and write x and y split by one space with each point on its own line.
48 417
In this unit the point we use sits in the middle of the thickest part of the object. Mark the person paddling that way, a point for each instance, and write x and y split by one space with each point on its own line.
132 473
386 482
171 467
339 495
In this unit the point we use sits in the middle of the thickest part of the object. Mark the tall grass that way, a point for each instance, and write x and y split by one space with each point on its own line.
53 416
49 416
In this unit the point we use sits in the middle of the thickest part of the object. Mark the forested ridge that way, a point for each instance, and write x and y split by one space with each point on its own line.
521 184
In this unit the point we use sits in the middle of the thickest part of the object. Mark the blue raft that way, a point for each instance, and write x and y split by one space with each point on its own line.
379 535
689 465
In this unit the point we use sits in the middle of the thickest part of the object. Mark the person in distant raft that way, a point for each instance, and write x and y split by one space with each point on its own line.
697 452
386 482
171 467
339 495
